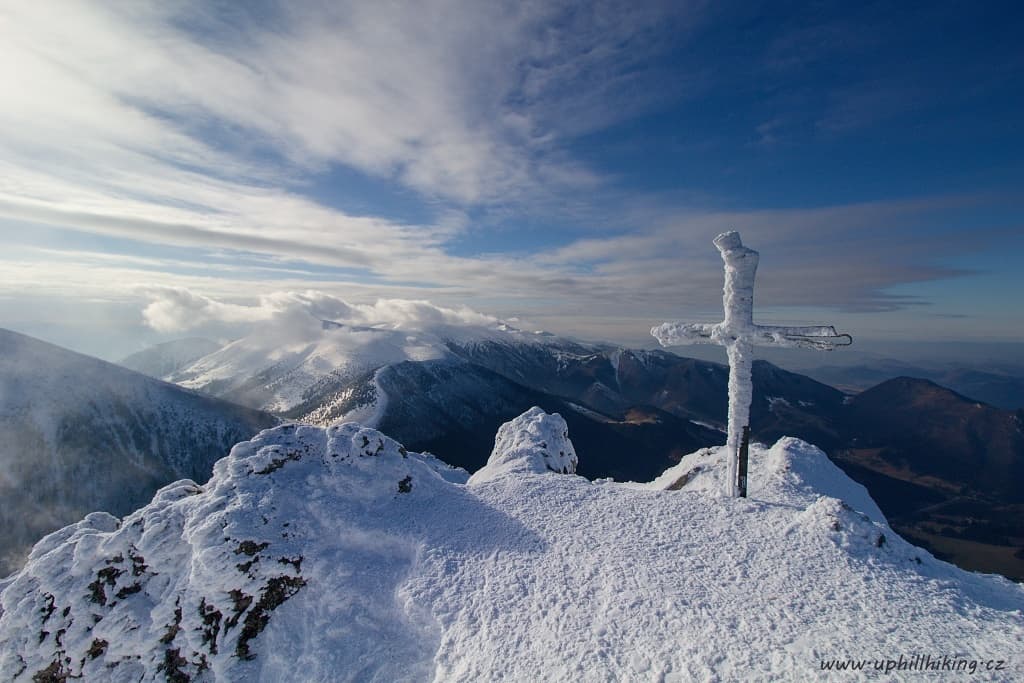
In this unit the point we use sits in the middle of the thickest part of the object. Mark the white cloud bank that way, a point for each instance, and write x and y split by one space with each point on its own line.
173 310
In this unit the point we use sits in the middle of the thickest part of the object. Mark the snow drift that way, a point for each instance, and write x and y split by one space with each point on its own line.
337 554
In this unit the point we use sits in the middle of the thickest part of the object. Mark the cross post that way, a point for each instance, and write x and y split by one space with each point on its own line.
738 334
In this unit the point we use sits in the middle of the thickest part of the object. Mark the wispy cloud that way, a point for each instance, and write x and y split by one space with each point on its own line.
191 131
846 257
178 124
463 100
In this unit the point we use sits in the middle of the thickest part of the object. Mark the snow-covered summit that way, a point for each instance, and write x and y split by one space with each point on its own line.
336 554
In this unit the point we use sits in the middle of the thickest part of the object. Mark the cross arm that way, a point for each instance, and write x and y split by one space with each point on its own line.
820 337
679 334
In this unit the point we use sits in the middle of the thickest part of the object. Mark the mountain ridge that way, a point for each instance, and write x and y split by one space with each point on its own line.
165 359
81 434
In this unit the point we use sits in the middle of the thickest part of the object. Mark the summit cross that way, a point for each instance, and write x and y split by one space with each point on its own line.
738 334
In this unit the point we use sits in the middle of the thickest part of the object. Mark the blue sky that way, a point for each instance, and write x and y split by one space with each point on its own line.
565 164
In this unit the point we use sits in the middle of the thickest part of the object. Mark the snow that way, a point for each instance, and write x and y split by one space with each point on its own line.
534 442
368 414
284 363
190 580
614 357
792 469
279 365
332 554
741 391
372 413
592 414
163 360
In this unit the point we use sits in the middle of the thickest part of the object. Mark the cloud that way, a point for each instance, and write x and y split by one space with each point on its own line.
419 315
201 128
175 310
848 257
190 137
178 310
459 99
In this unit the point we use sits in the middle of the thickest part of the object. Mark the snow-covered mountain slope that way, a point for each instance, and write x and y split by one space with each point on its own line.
333 554
168 358
284 366
307 361
321 372
78 434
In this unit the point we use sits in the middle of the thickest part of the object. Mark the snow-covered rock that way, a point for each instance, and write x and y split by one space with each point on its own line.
533 442
333 554
184 586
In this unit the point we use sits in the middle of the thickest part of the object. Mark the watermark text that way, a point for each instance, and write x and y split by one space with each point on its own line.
943 663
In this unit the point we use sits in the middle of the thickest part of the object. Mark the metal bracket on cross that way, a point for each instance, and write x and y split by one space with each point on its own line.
738 334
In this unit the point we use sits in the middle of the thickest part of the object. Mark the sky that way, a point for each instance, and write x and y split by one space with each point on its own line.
561 164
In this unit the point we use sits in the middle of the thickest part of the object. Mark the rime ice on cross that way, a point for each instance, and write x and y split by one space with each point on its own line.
738 334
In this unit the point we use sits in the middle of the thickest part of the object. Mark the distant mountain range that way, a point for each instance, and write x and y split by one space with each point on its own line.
949 469
78 434
941 466
1002 389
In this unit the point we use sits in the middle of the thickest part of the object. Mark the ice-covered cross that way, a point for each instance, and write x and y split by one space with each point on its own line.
738 334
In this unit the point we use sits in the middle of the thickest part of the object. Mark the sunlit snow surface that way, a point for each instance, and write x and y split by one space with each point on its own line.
325 555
